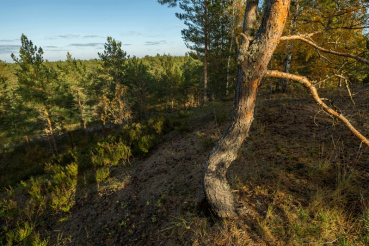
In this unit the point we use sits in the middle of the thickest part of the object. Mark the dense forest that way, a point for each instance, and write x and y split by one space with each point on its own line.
75 133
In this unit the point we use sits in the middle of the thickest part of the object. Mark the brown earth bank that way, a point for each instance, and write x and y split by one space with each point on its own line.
301 175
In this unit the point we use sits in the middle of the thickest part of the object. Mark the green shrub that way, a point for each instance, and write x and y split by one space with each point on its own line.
102 174
109 153
62 186
8 208
37 241
140 138
20 233
34 187
157 124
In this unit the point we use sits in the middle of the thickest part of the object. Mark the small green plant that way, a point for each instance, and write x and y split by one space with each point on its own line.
62 187
20 233
153 219
140 137
10 192
34 189
8 208
63 240
37 241
102 174
64 219
161 201
157 124
110 153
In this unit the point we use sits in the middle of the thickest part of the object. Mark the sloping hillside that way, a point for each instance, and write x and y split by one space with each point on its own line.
302 177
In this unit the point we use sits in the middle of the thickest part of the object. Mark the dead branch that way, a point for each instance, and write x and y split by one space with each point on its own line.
305 82
347 86
322 81
305 39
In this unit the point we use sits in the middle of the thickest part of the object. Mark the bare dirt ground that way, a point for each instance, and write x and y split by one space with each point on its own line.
159 200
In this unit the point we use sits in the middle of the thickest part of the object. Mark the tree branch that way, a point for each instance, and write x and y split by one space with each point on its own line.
310 42
305 82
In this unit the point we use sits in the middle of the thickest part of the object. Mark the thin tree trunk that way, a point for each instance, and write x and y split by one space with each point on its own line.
49 140
51 130
171 96
254 56
205 98
82 116
228 64
70 139
27 140
102 125
121 108
48 137
285 82
230 49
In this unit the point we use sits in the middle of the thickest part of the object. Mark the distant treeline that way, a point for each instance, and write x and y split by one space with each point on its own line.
39 98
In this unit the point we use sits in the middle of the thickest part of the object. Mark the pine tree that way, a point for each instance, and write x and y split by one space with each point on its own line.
191 76
113 99
196 36
37 83
76 77
138 80
170 79
211 29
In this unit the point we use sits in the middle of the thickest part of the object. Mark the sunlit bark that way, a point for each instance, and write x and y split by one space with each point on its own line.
254 56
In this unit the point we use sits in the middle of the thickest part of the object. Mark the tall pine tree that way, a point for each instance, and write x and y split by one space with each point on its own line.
37 83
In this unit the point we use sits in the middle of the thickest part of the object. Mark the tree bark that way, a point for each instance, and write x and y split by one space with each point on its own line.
48 138
254 56
51 130
228 64
27 140
249 21
205 98
287 63
230 48
172 95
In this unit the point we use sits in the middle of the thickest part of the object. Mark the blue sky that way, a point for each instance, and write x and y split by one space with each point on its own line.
81 26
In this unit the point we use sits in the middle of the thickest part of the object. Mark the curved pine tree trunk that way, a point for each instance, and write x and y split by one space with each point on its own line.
254 56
